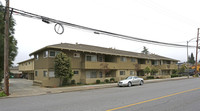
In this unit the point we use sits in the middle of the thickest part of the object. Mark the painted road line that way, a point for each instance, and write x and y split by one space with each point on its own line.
153 99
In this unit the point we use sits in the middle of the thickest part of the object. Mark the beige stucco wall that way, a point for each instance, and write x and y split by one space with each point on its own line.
79 64
27 65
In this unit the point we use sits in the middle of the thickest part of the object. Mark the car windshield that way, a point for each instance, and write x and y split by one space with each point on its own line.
129 77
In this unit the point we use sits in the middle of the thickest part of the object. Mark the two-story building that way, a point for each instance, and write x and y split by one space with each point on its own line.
27 68
90 63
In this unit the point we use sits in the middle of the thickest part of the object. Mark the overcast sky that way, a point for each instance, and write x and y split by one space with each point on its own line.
171 21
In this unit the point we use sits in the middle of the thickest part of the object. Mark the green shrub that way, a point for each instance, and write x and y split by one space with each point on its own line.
174 75
73 81
112 79
98 81
150 77
106 81
2 94
65 82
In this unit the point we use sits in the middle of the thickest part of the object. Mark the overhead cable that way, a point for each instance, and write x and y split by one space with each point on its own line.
95 31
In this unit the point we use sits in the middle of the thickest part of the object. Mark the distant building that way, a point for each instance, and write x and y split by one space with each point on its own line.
91 63
14 72
27 68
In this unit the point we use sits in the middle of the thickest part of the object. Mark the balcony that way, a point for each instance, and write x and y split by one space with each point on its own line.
168 66
100 65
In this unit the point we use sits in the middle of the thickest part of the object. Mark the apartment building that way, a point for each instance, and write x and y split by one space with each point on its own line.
27 68
90 63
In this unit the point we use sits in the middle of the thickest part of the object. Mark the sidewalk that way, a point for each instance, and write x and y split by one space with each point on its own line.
35 90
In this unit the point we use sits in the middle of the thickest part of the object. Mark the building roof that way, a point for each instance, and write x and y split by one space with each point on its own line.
102 50
26 61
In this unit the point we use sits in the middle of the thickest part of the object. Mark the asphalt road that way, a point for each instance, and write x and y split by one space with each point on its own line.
180 95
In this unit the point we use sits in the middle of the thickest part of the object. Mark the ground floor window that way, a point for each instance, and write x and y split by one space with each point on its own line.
131 72
51 74
100 74
91 74
166 72
45 73
122 72
36 73
76 72
140 73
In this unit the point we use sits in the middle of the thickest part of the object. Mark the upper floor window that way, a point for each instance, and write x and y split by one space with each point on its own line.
36 56
91 58
123 59
100 59
133 60
52 53
45 54
154 62
76 54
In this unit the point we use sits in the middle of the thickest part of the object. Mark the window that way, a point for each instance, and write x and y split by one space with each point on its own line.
45 54
36 57
154 62
76 55
36 73
133 60
88 58
76 72
52 53
91 74
122 72
100 74
100 59
51 74
91 58
123 59
45 73
131 72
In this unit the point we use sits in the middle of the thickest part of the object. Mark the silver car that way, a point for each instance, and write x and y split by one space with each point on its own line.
131 80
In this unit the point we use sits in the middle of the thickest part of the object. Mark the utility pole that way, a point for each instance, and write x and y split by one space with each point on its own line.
6 50
197 50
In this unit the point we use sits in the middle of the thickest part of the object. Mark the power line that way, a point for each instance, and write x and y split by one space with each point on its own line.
95 31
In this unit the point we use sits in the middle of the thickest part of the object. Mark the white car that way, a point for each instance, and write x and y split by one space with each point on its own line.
131 80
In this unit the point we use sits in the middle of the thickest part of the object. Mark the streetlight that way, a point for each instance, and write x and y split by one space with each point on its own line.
187 54
187 47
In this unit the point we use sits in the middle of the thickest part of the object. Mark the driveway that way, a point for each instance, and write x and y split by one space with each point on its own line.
23 86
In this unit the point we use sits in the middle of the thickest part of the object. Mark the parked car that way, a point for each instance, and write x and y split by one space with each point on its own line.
131 80
189 72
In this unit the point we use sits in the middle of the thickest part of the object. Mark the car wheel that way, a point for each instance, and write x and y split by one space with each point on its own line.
129 84
141 82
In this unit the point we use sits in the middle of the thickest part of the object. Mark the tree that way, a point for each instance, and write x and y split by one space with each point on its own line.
182 69
63 67
145 50
12 42
191 59
154 71
147 70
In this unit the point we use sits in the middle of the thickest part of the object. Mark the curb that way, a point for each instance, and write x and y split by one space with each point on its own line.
88 87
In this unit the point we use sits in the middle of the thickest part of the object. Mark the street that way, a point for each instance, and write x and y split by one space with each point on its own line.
180 95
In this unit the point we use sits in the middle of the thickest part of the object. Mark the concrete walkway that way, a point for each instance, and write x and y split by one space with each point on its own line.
21 88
